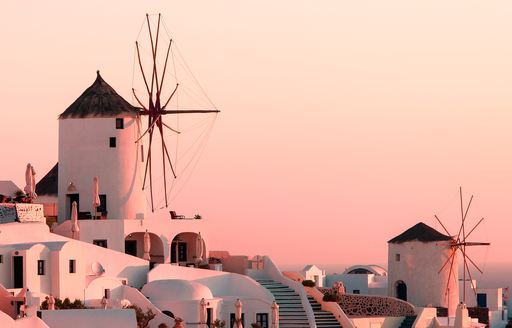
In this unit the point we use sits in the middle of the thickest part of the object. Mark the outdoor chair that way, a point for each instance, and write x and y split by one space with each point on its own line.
175 216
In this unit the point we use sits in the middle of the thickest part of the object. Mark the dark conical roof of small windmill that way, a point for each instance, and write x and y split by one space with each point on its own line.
99 100
48 185
420 232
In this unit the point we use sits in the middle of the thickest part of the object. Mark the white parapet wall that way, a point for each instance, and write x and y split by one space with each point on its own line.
271 270
377 322
425 317
332 307
88 318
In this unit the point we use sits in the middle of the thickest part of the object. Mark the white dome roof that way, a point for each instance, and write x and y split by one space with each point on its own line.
176 289
372 269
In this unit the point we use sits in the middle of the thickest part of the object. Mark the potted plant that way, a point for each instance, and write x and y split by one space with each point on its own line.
219 324
308 283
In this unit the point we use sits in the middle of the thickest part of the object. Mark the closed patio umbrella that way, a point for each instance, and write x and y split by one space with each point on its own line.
30 180
104 302
51 303
74 220
275 315
147 246
202 313
199 248
238 313
96 195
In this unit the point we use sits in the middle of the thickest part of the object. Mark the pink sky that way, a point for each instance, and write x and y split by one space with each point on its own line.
343 122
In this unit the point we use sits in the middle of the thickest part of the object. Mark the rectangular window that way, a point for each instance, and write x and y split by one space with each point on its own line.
481 300
397 257
112 142
262 319
106 293
100 242
356 291
102 209
119 123
72 266
40 267
1 258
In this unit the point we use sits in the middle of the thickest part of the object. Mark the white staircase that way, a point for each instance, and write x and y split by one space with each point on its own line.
324 319
291 311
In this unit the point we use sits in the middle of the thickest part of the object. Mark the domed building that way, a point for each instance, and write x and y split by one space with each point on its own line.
182 298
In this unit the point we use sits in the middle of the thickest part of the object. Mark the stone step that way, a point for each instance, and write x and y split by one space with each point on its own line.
291 310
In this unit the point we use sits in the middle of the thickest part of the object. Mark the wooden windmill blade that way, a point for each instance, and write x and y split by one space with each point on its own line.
460 243
155 111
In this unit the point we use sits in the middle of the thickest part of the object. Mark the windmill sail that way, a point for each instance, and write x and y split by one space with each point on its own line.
154 101
460 243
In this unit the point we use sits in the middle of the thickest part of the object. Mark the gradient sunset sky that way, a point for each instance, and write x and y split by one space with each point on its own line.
343 122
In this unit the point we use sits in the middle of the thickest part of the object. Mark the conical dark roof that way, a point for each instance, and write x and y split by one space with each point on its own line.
49 184
99 100
420 232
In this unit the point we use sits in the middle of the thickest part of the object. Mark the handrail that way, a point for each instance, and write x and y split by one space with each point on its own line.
426 318
332 307
273 272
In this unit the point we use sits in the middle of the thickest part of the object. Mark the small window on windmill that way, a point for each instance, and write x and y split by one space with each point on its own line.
112 142
1 258
72 266
119 123
397 257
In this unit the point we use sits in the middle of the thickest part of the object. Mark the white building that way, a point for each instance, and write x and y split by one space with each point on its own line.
313 273
415 260
107 257
361 279
97 137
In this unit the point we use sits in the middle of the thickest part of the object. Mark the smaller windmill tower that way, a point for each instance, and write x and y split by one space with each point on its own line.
414 259
97 135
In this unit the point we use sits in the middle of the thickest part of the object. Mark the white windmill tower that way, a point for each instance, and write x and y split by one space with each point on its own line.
414 259
101 134
97 135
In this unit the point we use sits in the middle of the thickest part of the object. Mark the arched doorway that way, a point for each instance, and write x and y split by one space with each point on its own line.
401 290
188 248
134 245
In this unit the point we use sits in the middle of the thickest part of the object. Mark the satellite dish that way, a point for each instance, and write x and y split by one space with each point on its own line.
97 268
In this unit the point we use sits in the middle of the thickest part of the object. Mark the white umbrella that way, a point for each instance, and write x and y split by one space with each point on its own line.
147 246
96 195
199 248
238 313
28 298
51 303
202 313
74 220
275 315
104 303
30 179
